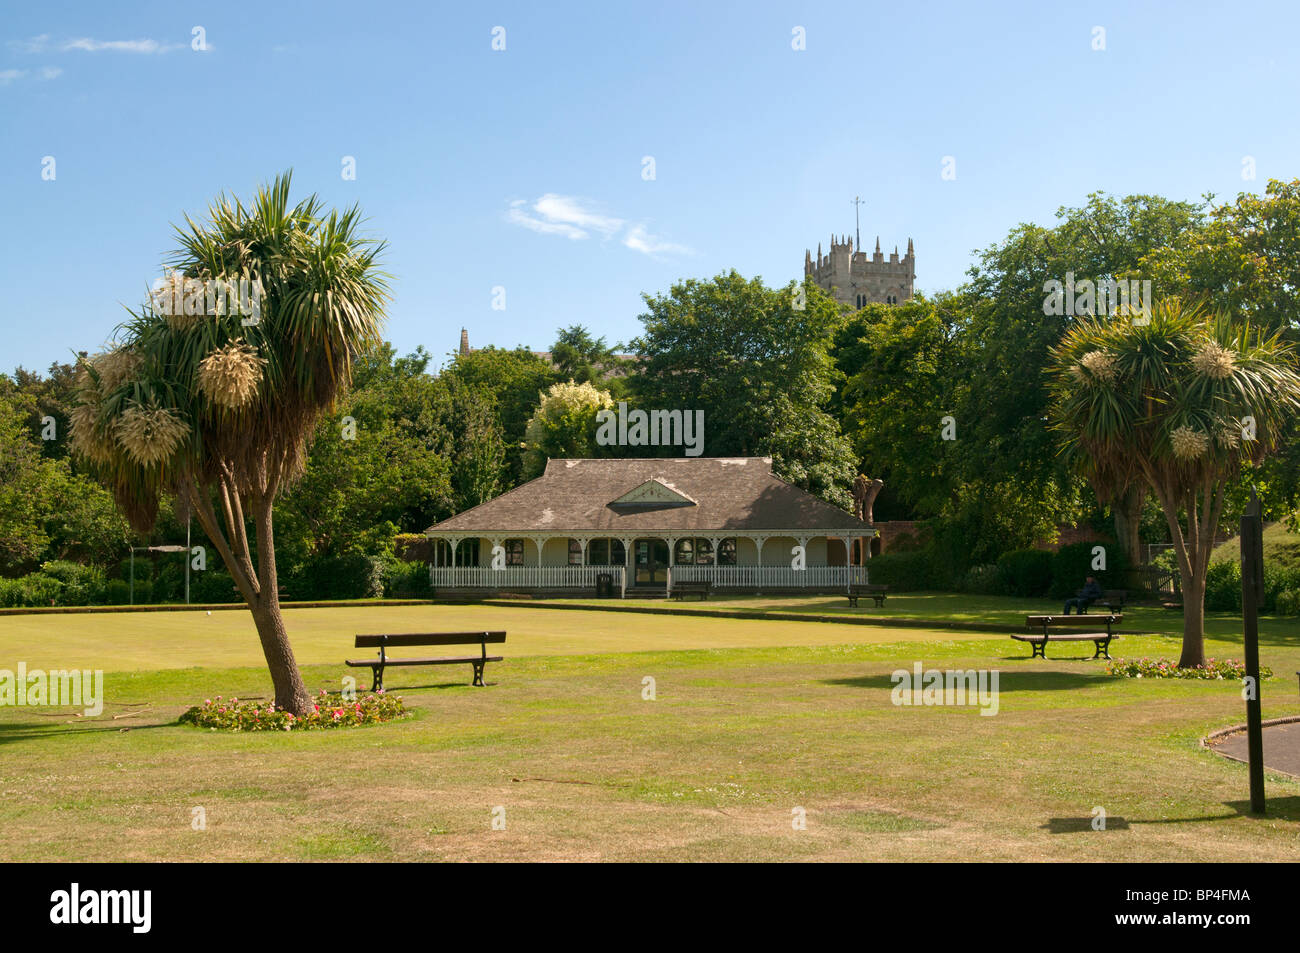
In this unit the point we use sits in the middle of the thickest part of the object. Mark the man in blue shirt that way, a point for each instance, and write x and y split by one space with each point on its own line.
1089 594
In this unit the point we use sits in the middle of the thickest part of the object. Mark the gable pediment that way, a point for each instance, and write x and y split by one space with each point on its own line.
652 494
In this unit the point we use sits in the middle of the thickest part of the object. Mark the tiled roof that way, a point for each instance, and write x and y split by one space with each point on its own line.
728 493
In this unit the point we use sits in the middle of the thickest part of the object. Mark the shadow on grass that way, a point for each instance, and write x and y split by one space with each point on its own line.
1286 808
1007 681
40 732
439 686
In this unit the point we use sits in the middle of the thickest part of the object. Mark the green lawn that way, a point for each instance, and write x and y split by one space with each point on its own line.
751 720
960 607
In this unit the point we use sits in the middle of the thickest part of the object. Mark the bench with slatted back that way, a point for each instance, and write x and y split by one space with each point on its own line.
876 593
1046 623
386 642
683 589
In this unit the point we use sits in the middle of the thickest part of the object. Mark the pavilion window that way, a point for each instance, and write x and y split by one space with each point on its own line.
693 552
467 553
727 552
514 552
605 552
575 552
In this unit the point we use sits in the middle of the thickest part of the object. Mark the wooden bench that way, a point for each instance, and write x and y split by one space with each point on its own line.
1113 599
1046 623
870 592
385 642
700 589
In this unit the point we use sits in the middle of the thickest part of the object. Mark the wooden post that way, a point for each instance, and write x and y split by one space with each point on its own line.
1252 590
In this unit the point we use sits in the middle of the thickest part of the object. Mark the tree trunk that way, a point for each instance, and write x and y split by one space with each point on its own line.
1127 510
290 692
1193 622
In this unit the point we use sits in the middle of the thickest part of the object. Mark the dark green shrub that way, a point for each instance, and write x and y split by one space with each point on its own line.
116 592
213 585
12 593
78 585
982 580
1072 565
408 581
1025 572
1223 587
341 577
143 592
905 572
1277 580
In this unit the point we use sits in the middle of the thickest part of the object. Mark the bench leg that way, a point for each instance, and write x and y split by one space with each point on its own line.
478 673
1103 648
1039 649
377 679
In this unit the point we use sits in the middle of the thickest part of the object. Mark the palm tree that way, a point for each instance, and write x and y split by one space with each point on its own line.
216 410
1182 404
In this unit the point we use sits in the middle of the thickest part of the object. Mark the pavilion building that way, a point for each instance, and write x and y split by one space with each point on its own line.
647 523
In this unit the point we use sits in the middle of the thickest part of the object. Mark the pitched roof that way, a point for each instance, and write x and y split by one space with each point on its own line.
584 497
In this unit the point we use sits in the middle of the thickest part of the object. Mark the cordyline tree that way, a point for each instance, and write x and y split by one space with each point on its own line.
218 413
1182 403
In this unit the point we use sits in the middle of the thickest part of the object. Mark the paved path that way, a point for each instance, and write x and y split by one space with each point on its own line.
1281 747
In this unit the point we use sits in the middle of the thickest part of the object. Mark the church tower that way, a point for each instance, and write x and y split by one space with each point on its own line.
855 279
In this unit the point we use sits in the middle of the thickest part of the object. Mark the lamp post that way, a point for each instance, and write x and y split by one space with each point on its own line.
1252 591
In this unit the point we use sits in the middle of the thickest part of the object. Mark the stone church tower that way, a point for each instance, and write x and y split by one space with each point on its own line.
855 280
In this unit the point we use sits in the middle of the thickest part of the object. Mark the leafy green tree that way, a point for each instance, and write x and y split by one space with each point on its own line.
581 358
48 510
564 425
1244 258
23 500
510 381
1181 403
377 466
1008 337
901 373
219 413
478 467
756 361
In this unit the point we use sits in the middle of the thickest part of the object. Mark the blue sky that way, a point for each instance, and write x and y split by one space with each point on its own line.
523 168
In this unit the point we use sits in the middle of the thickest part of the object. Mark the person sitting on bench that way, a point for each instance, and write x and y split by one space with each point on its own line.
1089 594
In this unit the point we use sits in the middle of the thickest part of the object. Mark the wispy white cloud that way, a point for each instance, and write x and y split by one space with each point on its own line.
35 44
519 214
44 73
573 211
577 218
88 45
639 239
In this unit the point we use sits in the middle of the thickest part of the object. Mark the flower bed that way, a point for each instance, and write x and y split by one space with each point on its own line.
328 711
1214 669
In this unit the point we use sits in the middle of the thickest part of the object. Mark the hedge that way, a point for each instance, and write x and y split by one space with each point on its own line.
1025 572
